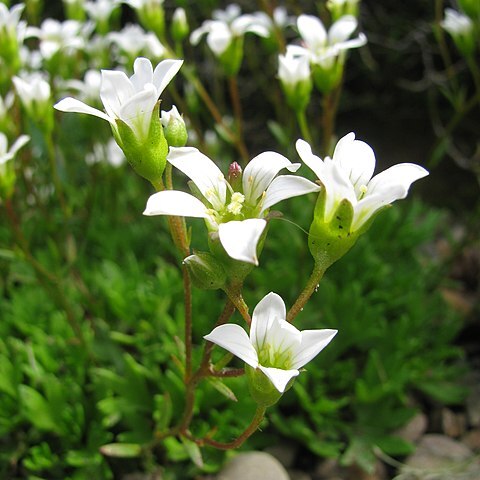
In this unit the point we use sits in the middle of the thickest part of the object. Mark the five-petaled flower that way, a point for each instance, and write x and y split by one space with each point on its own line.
348 176
274 346
238 216
131 100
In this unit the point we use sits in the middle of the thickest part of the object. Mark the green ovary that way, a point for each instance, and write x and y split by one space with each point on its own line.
269 357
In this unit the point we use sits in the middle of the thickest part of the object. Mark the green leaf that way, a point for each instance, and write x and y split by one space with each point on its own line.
37 410
121 450
193 451
218 384
395 445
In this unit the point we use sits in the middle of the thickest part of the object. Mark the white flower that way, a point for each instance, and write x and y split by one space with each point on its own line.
10 24
89 88
131 100
172 114
7 154
237 216
292 69
139 4
111 153
58 36
225 27
457 23
275 346
100 10
280 19
321 47
34 92
133 40
348 176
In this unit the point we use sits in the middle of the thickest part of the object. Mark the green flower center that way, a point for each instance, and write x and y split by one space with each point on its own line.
268 356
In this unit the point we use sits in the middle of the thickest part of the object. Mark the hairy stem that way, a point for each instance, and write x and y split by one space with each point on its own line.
310 287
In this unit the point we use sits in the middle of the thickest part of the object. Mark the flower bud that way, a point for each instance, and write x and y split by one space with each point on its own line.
235 176
340 8
205 271
147 157
174 128
294 75
328 77
180 28
261 388
231 58
152 17
462 29
74 10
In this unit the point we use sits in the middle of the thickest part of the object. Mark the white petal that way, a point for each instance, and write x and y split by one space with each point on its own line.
386 187
313 342
260 172
271 306
360 41
173 202
164 72
283 338
287 186
240 238
342 29
70 104
137 111
197 34
278 377
115 90
143 73
312 31
19 143
356 159
402 175
219 39
204 173
234 338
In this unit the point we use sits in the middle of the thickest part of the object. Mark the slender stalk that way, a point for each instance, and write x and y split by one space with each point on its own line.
310 287
254 424
238 114
234 293
187 289
329 112
303 125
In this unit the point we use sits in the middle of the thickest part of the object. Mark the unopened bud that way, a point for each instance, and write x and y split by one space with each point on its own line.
235 176
174 128
179 28
205 271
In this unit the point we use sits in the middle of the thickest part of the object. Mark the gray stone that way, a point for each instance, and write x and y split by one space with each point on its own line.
285 453
473 406
439 457
453 424
472 439
253 466
414 429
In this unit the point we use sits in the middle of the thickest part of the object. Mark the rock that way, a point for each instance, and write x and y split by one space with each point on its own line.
299 475
331 470
438 457
473 406
253 466
285 453
453 424
472 439
414 429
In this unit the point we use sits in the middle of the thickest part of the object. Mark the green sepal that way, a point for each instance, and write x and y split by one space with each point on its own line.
7 180
261 388
328 242
176 133
206 272
231 58
298 94
147 157
327 79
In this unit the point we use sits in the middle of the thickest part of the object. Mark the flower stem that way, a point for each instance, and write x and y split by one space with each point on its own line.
329 113
254 424
303 125
310 287
234 293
